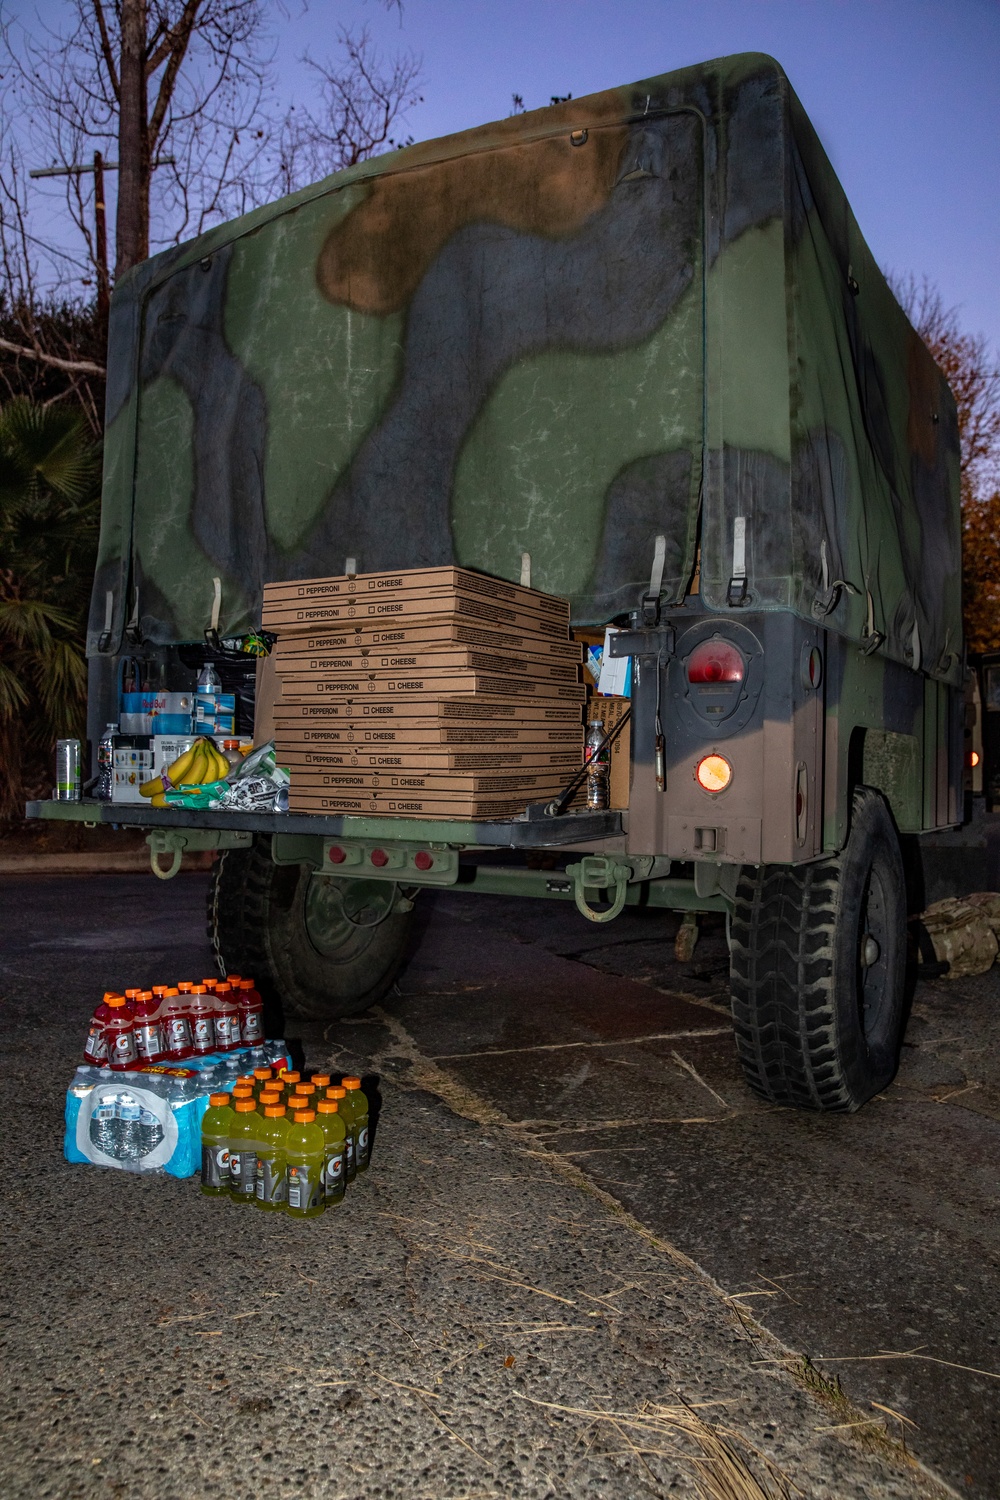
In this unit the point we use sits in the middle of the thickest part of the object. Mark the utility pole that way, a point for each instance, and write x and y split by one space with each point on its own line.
101 241
98 166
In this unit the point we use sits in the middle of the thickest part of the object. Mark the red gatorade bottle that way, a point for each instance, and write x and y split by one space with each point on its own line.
119 1034
227 1019
149 1041
202 1021
176 1023
95 1048
251 1014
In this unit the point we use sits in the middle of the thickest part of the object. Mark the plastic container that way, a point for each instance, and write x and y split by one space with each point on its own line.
175 1018
119 1034
251 1014
202 1012
95 1048
244 1143
305 1145
227 1019
216 1128
335 1135
106 763
272 1166
354 1109
149 1040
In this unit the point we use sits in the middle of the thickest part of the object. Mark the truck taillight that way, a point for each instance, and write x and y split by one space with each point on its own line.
714 773
716 661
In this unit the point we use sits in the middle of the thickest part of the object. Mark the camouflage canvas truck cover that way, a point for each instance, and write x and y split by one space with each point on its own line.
640 337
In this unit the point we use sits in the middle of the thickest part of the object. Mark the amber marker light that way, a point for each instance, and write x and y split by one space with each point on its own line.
714 773
974 758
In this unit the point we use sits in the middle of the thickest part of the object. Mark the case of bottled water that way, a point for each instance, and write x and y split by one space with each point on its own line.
150 1120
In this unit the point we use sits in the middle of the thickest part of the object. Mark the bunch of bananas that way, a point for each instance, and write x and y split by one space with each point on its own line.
204 762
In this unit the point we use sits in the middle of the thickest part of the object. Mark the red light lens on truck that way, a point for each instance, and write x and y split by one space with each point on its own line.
714 773
336 855
423 860
716 661
379 858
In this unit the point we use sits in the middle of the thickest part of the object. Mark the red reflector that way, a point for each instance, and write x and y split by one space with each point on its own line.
379 857
336 855
716 661
423 860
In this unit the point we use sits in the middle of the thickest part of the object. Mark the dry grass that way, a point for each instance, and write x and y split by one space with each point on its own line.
724 1464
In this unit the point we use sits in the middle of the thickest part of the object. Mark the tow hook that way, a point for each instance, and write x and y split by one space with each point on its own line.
600 872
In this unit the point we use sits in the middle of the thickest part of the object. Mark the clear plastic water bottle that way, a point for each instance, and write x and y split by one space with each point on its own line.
597 759
206 699
106 764
150 1131
128 1112
103 1129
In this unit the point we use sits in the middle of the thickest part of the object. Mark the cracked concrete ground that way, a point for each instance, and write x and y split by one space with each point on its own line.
506 1306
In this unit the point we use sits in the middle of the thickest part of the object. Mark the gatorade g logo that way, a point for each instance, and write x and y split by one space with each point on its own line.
202 1029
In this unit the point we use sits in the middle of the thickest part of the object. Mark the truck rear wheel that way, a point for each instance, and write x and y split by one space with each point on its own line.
817 965
321 947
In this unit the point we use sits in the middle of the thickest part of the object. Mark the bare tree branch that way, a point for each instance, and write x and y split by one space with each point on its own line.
78 366
109 57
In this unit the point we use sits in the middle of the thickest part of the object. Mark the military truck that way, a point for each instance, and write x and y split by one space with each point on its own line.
639 338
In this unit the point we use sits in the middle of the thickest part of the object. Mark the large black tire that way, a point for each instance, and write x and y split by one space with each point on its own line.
818 967
320 947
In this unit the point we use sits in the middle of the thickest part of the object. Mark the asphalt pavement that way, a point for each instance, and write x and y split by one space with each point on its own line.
582 1254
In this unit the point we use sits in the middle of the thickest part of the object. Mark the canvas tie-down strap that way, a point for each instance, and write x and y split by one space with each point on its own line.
133 632
651 600
829 593
526 570
212 633
736 594
104 639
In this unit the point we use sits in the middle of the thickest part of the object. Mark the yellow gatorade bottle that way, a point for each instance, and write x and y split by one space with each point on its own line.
305 1145
328 1117
272 1167
216 1128
243 1144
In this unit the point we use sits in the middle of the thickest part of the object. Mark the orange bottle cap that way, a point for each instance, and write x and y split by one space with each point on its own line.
242 1091
321 1080
245 1106
223 988
291 1077
233 978
351 1083
197 989
115 1002
146 995
159 989
262 1073
169 992
184 985
218 1099
328 1107
274 1111
113 995
128 994
245 1078
305 1088
304 1116
209 984
336 1092
246 984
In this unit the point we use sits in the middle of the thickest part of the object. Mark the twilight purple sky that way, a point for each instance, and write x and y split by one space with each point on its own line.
905 95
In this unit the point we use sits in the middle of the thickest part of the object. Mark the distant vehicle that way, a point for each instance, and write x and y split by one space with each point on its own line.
640 337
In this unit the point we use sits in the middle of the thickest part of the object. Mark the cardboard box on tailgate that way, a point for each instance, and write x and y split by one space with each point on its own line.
412 666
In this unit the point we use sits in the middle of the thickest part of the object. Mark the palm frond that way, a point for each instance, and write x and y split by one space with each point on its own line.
14 696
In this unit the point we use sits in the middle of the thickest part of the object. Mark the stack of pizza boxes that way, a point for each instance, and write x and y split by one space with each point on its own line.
431 692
